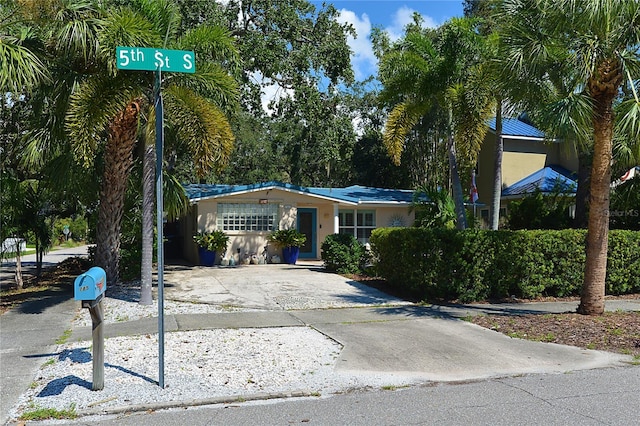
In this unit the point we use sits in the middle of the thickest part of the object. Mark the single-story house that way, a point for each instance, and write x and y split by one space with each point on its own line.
249 213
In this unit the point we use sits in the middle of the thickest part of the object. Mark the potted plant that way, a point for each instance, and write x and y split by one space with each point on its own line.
208 244
290 241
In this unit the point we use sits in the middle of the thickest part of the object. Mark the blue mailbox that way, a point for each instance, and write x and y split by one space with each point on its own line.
91 285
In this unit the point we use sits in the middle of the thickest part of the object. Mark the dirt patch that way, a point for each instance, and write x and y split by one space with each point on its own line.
614 331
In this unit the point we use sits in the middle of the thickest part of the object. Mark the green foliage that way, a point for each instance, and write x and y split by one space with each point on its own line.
343 253
130 242
434 208
623 267
213 241
287 238
39 413
624 209
474 265
371 166
541 211
77 228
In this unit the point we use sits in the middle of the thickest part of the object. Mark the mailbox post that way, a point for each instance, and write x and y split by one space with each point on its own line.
89 288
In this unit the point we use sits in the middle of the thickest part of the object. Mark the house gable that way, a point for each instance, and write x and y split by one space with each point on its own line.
546 180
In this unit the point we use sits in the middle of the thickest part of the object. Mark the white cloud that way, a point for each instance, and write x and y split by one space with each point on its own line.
402 18
271 91
363 59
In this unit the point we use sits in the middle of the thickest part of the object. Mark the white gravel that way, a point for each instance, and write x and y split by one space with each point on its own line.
121 304
199 365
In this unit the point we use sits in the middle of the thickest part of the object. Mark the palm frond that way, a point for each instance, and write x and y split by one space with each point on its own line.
96 102
126 28
78 38
626 147
211 43
211 81
201 126
567 117
400 122
472 106
20 68
176 202
164 16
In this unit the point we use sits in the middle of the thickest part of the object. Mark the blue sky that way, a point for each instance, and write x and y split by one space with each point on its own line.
393 16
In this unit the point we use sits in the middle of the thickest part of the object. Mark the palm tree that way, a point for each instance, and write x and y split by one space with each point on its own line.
116 101
437 72
22 66
599 40
198 124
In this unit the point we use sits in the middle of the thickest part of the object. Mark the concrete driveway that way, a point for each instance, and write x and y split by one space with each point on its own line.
305 285
381 335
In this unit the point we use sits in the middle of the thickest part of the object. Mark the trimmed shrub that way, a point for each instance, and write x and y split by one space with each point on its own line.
475 265
343 253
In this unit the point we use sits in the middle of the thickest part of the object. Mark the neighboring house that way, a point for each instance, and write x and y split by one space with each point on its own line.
528 162
249 213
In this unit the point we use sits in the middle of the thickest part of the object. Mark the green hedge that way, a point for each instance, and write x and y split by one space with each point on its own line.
342 253
475 265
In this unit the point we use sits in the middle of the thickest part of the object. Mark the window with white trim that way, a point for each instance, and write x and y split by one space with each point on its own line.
247 217
358 223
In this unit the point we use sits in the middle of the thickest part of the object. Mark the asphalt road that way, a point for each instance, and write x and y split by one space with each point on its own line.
588 397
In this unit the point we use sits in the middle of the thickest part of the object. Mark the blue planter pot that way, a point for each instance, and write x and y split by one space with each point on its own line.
207 257
290 255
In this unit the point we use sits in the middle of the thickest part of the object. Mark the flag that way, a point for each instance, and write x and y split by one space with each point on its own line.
631 173
474 191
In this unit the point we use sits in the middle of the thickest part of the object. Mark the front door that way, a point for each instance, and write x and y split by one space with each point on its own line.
307 219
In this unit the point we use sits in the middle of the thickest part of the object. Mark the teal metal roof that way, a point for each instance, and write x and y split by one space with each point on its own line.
355 194
546 180
515 127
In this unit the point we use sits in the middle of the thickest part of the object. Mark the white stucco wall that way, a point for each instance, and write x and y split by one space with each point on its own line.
241 242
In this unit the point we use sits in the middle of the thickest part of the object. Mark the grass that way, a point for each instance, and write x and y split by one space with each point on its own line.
39 413
50 361
549 337
64 337
394 387
12 254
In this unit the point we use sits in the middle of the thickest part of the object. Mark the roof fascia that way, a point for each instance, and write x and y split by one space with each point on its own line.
384 204
271 187
525 138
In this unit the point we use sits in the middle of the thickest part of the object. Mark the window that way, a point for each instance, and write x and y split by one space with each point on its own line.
358 223
247 217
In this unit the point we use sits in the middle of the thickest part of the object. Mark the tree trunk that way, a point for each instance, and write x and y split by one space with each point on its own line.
593 288
461 214
494 220
582 192
148 184
118 160
39 256
18 271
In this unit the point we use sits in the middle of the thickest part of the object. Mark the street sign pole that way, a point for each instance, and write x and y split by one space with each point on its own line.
160 209
157 60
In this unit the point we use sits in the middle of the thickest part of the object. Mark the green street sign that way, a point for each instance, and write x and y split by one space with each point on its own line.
151 59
